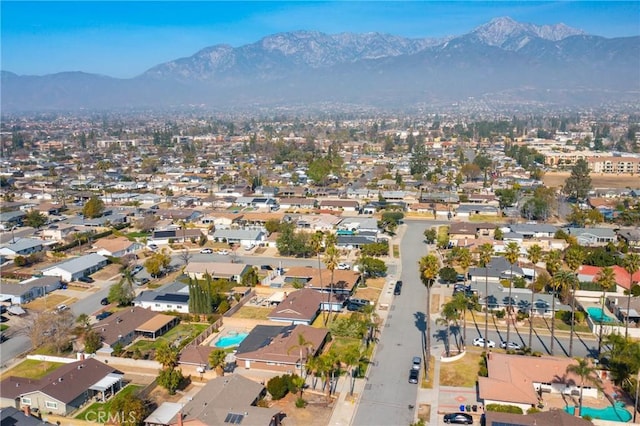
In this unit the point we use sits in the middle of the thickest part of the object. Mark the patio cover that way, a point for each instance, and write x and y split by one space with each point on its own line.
106 382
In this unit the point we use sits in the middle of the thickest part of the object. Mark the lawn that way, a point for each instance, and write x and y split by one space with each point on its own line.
463 372
182 331
32 369
252 312
49 302
3 327
396 250
97 407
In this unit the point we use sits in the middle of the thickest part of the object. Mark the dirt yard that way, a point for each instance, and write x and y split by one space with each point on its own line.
316 413
603 181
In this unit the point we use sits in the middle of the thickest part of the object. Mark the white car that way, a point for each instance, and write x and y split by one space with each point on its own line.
513 346
479 341
206 251
223 252
344 266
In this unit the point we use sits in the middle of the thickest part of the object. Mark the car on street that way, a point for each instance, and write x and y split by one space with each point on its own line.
398 288
104 301
479 341
223 252
206 251
136 269
416 362
142 281
413 376
513 346
344 266
458 418
103 315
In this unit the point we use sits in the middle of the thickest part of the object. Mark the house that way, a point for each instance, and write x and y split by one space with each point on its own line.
71 270
465 211
244 237
11 416
58 231
227 400
340 205
10 219
592 236
28 290
163 301
314 222
63 390
359 224
166 236
534 230
351 242
116 247
297 203
217 270
276 348
344 281
124 326
299 307
522 380
630 236
220 220
197 355
618 306
22 247
498 269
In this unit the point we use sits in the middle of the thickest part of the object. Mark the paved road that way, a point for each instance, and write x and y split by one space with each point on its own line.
388 393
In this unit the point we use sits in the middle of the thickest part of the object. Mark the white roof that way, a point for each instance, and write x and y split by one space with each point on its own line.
107 381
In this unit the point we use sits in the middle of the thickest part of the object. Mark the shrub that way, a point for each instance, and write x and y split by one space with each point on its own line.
277 387
500 314
301 403
499 408
533 410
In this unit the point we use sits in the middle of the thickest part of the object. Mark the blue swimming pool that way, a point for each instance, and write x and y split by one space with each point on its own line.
616 414
231 340
599 316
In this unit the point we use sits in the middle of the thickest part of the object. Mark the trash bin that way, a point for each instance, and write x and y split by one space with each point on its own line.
468 408
474 408
462 408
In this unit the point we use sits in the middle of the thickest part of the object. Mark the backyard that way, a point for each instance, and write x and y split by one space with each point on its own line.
181 334
31 369
98 407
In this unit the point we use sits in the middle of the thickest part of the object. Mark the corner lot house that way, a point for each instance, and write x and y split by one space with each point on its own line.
217 270
71 270
64 389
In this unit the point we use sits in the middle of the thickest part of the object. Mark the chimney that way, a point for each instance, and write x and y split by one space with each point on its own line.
27 410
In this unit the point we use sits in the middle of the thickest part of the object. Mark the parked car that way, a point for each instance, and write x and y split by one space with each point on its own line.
103 315
398 288
153 247
344 266
142 281
479 341
413 376
266 268
136 269
355 307
104 301
363 302
458 418
223 252
206 251
513 346
61 308
85 279
416 362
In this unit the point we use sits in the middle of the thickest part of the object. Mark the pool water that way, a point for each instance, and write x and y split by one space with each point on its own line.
616 414
599 316
231 340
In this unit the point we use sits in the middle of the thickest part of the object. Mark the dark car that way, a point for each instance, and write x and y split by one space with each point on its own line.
413 376
355 307
86 279
458 418
398 288
266 267
104 301
103 315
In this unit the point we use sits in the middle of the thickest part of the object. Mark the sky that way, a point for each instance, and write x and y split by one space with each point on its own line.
123 39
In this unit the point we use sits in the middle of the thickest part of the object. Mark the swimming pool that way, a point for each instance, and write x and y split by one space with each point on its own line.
599 316
231 339
616 414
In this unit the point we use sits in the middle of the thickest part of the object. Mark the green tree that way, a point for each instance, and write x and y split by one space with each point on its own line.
92 341
303 346
331 261
507 197
35 219
448 274
606 280
250 278
319 169
485 252
93 207
631 265
449 315
429 267
573 257
464 260
578 184
166 355
170 379
316 244
216 360
131 410
585 370
561 280
430 235
534 254
511 254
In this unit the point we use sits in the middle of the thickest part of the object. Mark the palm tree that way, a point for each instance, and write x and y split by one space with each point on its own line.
303 344
561 280
511 253
331 260
216 360
585 370
351 356
166 355
553 261
464 260
126 283
574 258
429 267
631 265
534 254
449 314
485 253
606 280
316 244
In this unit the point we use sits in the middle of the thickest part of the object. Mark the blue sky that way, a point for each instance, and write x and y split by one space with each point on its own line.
123 39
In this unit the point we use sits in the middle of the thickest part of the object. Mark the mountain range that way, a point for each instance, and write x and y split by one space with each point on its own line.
503 61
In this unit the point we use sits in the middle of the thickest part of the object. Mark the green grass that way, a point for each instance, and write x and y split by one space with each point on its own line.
463 372
185 331
32 369
3 327
105 407
396 250
137 234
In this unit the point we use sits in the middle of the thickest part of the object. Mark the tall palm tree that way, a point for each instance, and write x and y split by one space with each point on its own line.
553 261
429 267
586 371
303 345
631 265
316 244
561 280
606 280
449 314
534 254
464 260
351 356
485 252
331 260
511 253
573 258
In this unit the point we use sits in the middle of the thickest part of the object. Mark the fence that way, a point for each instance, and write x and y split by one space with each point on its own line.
240 304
